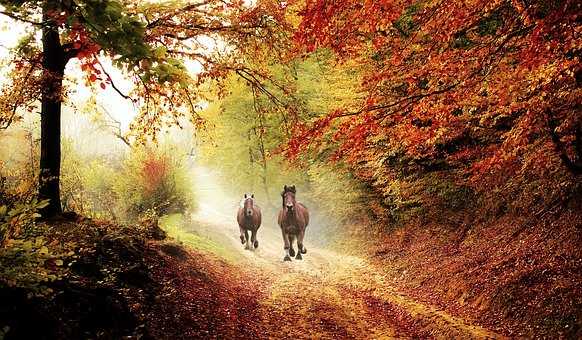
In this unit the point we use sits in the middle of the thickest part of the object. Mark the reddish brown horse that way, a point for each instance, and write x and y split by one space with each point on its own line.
293 219
249 219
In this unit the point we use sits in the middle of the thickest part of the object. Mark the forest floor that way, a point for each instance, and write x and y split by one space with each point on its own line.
133 282
326 295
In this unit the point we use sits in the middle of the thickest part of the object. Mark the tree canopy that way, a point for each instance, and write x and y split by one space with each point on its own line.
149 42
490 83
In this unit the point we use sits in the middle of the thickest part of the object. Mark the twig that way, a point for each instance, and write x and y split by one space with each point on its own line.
111 80
16 17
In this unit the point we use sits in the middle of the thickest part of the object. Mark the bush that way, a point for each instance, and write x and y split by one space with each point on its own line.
336 192
27 260
145 180
153 180
19 219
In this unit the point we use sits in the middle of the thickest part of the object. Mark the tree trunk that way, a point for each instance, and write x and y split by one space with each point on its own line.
50 146
573 165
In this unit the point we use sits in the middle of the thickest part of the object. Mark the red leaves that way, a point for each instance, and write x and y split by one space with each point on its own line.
94 75
86 52
201 297
341 25
435 70
154 171
82 43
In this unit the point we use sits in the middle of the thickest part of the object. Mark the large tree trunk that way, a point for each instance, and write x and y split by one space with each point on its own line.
50 146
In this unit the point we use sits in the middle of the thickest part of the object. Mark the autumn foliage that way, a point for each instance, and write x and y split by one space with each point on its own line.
468 130
439 140
490 87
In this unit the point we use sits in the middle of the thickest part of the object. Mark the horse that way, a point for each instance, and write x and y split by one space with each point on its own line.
249 219
293 219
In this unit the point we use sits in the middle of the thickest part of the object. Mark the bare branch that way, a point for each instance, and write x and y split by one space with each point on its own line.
125 96
16 17
253 81
115 124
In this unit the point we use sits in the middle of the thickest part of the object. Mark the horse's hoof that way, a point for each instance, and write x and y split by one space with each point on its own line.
242 239
292 252
256 244
286 258
298 257
304 250
247 247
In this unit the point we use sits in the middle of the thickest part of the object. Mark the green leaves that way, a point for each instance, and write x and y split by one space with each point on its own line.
19 218
111 26
30 264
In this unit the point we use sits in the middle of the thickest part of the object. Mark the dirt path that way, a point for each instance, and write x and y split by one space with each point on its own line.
327 295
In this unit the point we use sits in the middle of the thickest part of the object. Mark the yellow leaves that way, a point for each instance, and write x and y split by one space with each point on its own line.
43 250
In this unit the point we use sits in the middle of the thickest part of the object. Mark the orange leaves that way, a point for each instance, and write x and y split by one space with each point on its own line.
345 26
305 136
94 75
439 70
86 51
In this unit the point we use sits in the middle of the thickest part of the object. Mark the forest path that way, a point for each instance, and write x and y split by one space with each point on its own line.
326 295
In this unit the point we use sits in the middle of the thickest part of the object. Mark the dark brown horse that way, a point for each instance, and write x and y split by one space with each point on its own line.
249 219
293 219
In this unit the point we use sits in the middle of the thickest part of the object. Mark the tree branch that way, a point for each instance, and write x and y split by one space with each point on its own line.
575 166
117 125
125 96
16 17
191 7
398 102
252 79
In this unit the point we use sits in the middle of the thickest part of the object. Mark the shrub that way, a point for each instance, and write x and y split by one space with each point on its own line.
337 192
153 180
18 219
27 260
146 179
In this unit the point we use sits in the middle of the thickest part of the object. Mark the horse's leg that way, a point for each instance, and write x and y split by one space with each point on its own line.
303 249
286 245
247 245
300 248
291 240
254 238
242 236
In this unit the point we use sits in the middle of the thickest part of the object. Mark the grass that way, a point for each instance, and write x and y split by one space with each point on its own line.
176 227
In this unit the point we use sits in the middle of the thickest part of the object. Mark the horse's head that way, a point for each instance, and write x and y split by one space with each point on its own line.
288 196
249 202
